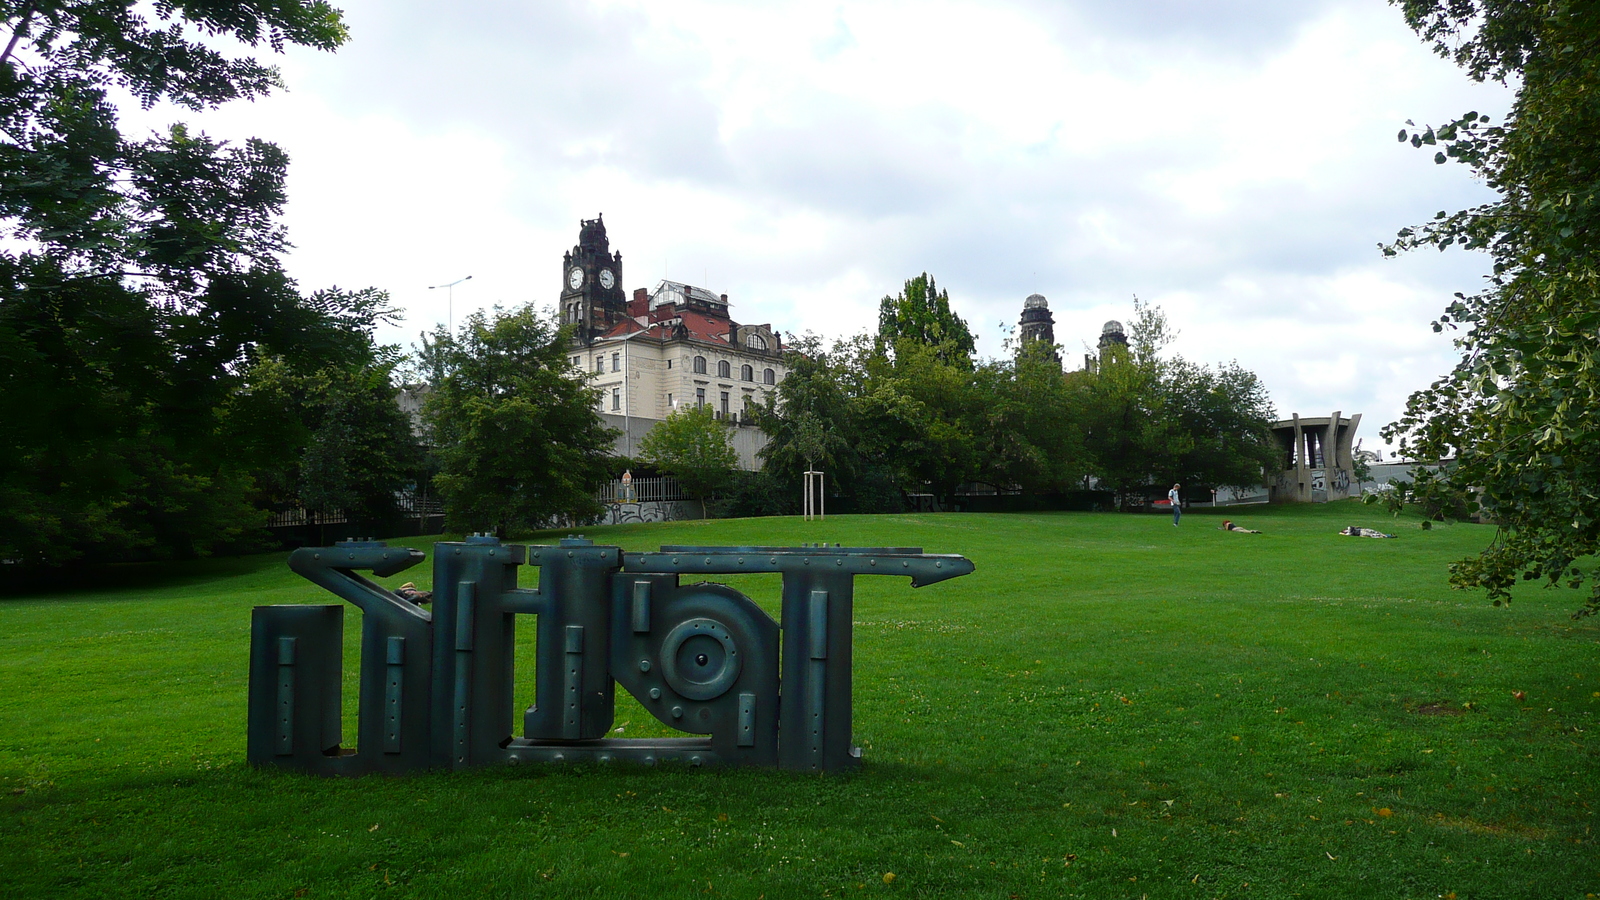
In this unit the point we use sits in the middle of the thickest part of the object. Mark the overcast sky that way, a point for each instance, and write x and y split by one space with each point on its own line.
1233 161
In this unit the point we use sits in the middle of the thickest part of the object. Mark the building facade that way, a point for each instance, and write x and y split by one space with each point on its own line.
663 349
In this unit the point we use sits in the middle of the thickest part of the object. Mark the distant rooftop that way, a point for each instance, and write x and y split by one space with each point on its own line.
678 293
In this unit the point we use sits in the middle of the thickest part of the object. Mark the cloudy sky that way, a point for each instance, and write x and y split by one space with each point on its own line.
1233 161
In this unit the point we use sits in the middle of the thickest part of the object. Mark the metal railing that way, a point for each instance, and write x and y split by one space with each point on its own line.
295 517
408 505
641 490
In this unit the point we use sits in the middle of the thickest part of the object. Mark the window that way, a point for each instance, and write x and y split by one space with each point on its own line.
669 401
723 369
577 362
747 373
699 396
755 342
769 377
616 362
724 403
616 399
600 364
669 363
700 365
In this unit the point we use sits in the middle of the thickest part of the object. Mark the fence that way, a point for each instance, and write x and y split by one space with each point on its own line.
408 505
659 499
642 490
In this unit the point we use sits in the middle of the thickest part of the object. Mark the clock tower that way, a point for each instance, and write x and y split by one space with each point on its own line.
592 298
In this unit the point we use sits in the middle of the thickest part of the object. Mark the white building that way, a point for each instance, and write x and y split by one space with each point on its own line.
664 349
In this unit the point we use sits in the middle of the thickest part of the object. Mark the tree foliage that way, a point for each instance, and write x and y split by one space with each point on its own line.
896 413
139 279
1158 420
329 439
694 447
1520 411
921 315
515 432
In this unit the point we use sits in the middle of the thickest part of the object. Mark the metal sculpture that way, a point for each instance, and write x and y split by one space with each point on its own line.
437 687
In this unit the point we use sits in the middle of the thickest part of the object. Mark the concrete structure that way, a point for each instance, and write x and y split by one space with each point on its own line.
664 349
1317 459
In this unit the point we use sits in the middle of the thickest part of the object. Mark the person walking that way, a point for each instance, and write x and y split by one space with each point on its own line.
1177 507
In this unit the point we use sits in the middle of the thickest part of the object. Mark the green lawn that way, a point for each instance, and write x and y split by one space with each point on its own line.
1109 707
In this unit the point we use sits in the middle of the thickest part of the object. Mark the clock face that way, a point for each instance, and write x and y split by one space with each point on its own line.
575 278
607 280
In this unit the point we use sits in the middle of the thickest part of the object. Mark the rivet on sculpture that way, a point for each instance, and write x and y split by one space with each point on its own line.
437 687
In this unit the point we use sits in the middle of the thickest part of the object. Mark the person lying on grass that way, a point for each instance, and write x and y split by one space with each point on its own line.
1228 525
408 591
1355 531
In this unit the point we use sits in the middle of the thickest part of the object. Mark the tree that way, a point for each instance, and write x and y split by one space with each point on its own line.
338 442
921 314
516 435
693 447
1520 411
139 279
1126 424
1156 421
1361 466
806 425
1226 418
1030 429
915 419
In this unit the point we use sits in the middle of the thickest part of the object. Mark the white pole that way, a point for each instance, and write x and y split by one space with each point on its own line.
627 423
815 503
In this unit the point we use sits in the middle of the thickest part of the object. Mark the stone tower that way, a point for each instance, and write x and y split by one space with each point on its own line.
1037 324
592 297
1112 333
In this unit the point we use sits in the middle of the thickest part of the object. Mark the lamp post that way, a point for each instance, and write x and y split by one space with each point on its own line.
450 307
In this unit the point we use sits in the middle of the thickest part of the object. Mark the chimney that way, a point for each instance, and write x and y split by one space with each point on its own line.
640 304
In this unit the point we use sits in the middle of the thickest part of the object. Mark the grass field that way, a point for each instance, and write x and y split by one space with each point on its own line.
1109 707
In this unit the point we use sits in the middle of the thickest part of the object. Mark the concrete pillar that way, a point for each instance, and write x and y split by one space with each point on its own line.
1347 441
1302 488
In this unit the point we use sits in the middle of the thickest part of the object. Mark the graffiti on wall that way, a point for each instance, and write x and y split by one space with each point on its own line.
1341 480
649 511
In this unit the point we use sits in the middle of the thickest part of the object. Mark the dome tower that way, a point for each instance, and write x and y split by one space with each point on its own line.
1037 324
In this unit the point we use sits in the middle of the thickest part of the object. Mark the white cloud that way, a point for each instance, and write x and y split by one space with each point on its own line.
1233 162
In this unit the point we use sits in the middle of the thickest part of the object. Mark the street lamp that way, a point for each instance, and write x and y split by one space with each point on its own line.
450 308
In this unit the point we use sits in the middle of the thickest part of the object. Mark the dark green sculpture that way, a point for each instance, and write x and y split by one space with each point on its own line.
437 686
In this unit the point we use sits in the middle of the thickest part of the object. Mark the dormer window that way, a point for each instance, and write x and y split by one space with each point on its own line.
755 341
